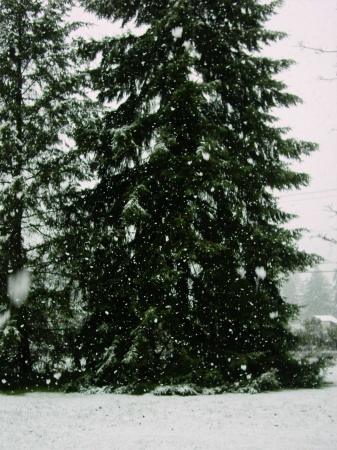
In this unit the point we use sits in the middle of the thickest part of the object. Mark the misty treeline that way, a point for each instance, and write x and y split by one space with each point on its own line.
138 177
315 294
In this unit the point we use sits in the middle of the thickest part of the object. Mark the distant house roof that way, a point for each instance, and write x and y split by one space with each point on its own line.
329 319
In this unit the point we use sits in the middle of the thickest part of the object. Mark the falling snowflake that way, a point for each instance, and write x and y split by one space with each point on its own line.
260 273
273 315
177 32
242 272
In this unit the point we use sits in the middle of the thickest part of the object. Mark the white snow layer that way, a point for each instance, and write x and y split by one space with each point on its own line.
293 420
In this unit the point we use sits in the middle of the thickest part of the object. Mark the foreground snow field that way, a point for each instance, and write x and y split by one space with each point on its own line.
292 420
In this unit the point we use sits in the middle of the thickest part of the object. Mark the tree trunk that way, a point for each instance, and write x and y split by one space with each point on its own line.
16 251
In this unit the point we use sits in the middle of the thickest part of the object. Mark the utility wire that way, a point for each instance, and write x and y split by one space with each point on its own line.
296 200
295 194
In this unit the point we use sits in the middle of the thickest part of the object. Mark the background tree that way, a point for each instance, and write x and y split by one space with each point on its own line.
38 105
292 290
188 246
183 210
317 296
334 294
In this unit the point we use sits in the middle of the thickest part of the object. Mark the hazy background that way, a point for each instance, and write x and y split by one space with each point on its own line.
314 79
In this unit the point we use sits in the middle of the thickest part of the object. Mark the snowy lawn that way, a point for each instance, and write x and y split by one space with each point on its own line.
291 420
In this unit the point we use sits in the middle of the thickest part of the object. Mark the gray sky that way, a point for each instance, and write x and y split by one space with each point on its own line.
312 22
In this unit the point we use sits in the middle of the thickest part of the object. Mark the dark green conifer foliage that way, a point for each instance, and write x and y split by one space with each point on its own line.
38 100
190 244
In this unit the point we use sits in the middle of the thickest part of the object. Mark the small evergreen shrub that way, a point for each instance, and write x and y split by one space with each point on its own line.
304 372
182 390
268 381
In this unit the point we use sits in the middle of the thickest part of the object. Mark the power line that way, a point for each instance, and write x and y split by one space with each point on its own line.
295 194
295 200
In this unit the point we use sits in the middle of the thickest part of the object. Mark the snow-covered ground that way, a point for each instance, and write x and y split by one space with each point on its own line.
291 420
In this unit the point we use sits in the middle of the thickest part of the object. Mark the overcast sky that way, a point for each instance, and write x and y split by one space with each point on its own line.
314 79
312 22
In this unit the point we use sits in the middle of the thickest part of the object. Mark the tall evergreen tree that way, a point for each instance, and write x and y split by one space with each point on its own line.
188 246
38 100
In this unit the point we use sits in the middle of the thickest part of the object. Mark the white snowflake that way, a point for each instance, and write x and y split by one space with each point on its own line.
242 272
177 32
260 273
